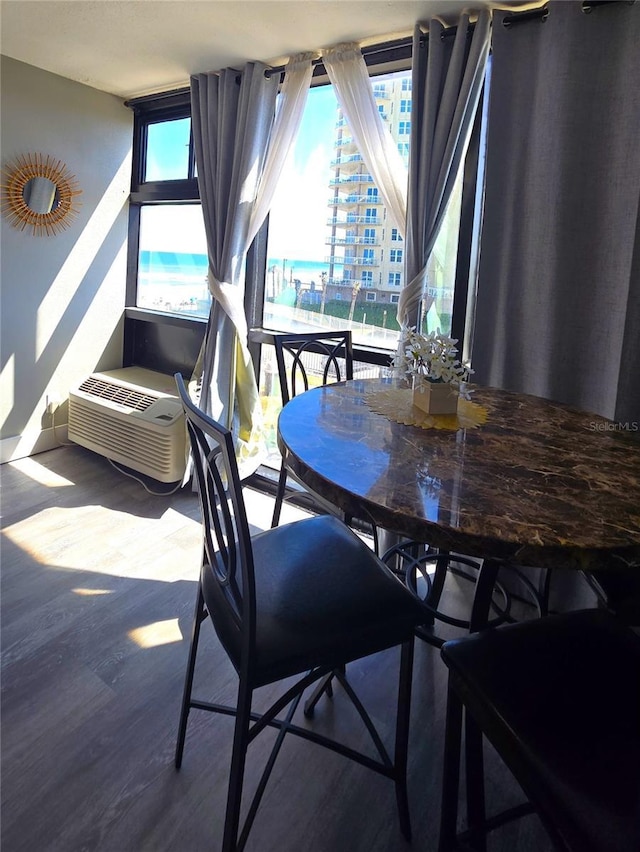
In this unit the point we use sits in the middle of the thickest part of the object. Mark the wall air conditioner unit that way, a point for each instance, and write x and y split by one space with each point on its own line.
132 416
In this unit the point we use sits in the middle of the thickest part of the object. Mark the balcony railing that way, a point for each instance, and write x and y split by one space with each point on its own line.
339 200
348 158
352 260
341 222
343 141
341 180
352 241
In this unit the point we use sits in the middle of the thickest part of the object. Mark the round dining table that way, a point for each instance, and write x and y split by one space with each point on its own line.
521 480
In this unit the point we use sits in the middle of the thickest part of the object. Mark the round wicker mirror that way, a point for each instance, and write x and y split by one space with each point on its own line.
40 193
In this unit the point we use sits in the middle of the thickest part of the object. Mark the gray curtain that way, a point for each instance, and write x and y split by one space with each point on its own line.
558 303
232 115
447 79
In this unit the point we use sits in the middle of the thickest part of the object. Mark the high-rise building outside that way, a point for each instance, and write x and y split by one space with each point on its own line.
366 260
366 263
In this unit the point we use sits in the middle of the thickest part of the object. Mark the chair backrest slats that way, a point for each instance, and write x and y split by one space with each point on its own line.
228 580
327 356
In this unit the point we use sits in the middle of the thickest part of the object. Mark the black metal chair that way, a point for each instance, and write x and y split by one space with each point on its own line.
559 699
306 360
304 599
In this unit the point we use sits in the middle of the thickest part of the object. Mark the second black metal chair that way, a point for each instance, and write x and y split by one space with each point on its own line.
307 360
559 699
302 600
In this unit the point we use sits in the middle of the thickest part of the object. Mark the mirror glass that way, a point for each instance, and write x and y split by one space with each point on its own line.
39 195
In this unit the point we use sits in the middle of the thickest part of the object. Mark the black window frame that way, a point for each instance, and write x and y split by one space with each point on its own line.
155 109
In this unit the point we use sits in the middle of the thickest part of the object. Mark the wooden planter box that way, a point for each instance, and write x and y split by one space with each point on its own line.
434 397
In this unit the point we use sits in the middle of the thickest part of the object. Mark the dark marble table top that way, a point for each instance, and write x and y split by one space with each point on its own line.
539 483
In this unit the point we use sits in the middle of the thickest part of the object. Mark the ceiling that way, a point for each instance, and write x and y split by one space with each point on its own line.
135 47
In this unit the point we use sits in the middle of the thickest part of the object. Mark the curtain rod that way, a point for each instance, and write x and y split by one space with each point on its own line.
400 45
372 50
542 13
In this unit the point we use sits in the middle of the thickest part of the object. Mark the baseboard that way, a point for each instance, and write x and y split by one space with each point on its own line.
31 443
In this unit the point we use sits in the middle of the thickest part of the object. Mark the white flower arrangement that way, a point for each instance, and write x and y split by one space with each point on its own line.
432 357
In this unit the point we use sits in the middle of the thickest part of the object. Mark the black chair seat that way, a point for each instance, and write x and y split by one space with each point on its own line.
559 698
322 599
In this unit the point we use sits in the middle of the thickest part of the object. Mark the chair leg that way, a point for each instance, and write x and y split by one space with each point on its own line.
282 484
236 775
437 585
199 615
544 591
487 576
402 736
451 773
325 686
474 761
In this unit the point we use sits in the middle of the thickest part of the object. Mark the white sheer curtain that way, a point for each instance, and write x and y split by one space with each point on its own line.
348 73
237 145
289 110
447 78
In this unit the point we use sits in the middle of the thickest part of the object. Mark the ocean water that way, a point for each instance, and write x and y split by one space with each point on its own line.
178 280
182 266
304 270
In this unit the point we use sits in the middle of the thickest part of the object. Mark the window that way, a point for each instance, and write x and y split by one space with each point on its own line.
168 150
172 260
321 210
170 273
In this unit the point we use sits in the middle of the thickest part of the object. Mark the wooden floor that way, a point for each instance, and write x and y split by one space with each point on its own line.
98 587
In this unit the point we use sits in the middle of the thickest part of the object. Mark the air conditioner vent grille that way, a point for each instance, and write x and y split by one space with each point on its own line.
117 393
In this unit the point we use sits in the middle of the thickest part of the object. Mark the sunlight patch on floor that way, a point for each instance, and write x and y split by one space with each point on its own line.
39 473
91 592
158 633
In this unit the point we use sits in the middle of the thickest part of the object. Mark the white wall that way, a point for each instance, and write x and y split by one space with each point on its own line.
63 296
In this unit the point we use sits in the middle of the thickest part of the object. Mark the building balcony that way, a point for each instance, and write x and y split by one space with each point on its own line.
344 142
349 180
353 219
361 261
352 241
352 261
346 159
347 200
